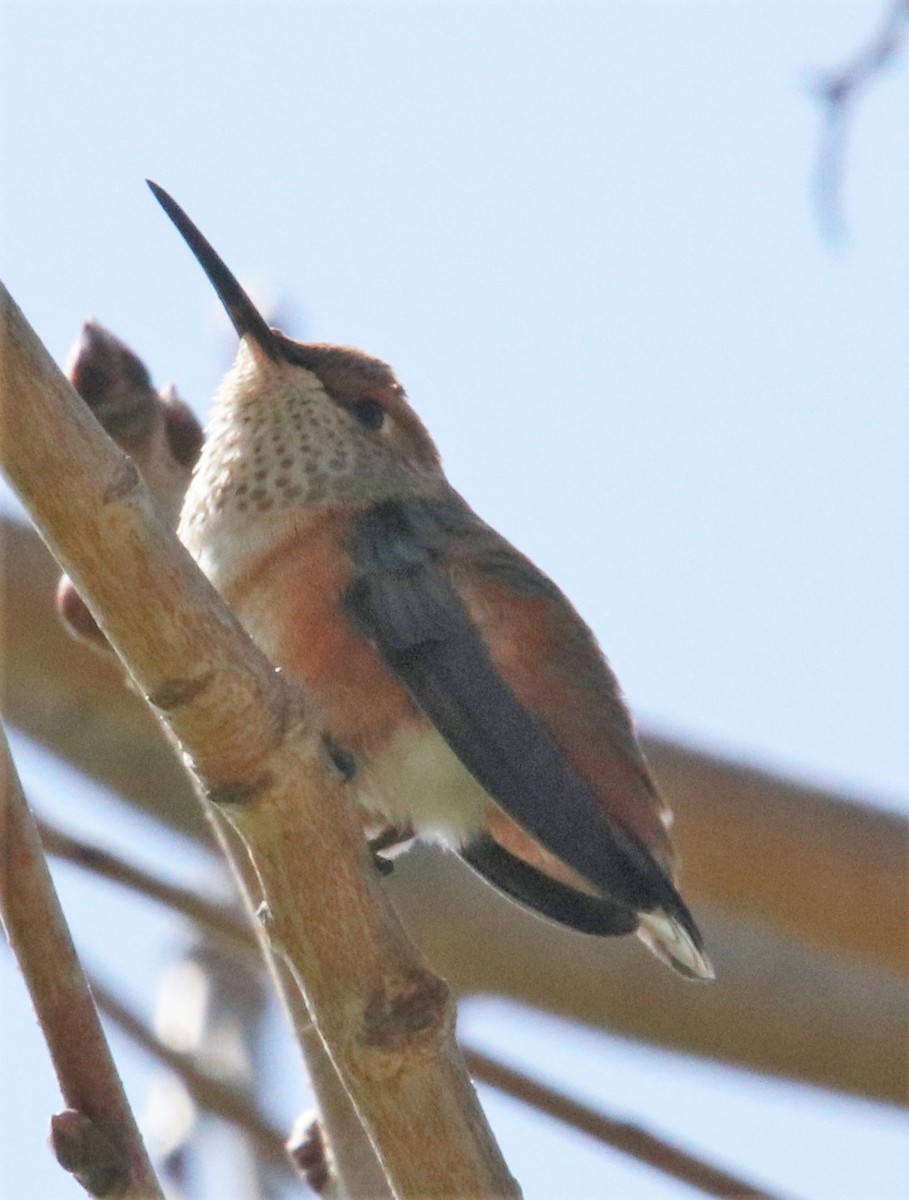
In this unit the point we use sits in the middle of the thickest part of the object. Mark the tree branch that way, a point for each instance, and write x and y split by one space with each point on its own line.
838 93
624 1136
385 1019
847 859
807 863
97 1140
163 438
218 920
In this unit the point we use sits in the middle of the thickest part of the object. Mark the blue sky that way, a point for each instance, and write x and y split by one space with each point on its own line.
584 236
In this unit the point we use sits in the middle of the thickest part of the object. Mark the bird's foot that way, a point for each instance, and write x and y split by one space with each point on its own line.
389 839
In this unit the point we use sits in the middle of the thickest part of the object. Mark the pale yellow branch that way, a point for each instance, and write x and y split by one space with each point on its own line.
387 1022
163 438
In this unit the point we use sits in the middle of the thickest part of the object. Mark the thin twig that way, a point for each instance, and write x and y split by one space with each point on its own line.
221 1099
630 1139
838 93
216 919
99 1141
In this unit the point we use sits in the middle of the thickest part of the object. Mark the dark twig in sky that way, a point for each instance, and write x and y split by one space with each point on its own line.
624 1136
217 919
838 93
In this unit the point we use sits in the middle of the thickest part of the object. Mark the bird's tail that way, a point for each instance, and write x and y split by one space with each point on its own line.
671 942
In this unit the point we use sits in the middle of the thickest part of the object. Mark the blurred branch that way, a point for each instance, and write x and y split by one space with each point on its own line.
779 1004
838 93
75 702
387 1021
776 1007
225 955
809 863
217 1097
216 919
97 1140
624 1136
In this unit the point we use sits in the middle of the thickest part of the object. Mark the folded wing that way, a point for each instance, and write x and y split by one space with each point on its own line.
402 598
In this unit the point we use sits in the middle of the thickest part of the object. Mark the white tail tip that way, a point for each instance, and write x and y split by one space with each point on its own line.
666 938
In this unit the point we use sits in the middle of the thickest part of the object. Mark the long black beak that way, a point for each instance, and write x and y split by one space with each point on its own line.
246 318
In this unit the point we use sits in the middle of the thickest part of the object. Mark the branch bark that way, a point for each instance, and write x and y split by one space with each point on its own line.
386 1021
97 1140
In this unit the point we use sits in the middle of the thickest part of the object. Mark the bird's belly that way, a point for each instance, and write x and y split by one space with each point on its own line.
416 780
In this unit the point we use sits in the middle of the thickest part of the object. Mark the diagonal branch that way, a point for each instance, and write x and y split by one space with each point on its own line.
811 892
386 1021
97 1140
163 439
815 865
216 919
624 1136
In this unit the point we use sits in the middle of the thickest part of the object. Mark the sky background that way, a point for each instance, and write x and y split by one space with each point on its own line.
585 236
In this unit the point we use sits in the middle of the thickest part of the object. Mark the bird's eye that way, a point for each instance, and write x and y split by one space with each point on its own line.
369 413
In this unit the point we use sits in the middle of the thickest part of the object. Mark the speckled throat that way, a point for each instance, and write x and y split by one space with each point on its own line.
278 449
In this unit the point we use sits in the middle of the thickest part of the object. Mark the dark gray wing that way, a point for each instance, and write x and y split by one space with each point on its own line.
547 896
402 600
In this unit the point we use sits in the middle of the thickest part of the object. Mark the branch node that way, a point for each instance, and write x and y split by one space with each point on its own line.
309 1152
124 481
238 793
177 692
395 1015
76 616
89 1155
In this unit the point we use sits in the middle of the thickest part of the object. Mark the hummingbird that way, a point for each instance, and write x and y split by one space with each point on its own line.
465 700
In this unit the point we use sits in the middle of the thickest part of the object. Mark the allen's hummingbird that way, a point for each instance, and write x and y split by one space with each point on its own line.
463 697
